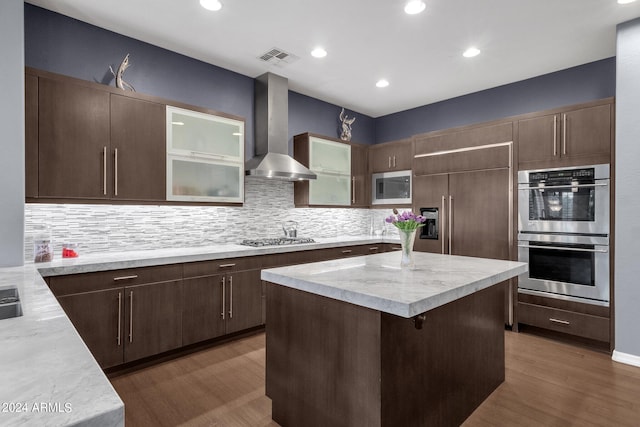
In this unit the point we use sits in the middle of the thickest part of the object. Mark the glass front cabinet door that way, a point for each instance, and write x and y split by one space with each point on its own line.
331 162
205 157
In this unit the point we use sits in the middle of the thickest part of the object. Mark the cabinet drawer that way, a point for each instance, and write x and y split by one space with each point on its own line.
219 266
579 324
87 282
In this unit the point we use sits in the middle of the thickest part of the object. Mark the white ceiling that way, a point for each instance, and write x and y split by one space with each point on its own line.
420 55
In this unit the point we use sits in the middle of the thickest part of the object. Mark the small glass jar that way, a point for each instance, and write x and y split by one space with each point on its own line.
70 250
42 246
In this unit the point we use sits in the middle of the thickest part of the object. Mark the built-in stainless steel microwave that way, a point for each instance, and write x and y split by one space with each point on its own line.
391 188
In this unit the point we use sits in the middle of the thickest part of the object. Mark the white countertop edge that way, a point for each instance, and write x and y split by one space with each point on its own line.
281 276
148 258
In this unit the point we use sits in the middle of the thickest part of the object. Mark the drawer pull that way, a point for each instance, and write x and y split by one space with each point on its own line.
227 265
373 248
134 276
347 251
562 322
396 249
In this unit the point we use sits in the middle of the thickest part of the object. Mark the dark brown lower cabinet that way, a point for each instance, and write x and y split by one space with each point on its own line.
245 300
97 316
126 324
221 304
202 309
153 319
127 315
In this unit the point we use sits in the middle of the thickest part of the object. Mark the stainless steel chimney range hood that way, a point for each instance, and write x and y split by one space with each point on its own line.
272 158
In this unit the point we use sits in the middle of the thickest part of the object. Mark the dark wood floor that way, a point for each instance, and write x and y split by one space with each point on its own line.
547 384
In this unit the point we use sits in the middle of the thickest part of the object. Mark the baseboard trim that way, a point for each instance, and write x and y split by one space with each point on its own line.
628 359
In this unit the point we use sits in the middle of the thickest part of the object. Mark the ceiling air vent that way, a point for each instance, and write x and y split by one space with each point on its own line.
278 57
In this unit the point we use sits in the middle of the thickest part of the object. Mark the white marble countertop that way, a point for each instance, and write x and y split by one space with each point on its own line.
49 376
377 282
145 258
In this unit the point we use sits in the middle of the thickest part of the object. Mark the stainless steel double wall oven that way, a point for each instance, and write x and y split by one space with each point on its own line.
563 232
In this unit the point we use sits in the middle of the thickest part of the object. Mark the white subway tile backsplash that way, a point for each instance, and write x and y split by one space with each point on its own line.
109 228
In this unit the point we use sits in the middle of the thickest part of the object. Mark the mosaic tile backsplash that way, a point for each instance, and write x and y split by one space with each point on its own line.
112 228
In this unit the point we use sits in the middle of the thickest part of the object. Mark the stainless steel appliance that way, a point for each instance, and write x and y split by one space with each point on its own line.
391 188
567 200
563 232
566 266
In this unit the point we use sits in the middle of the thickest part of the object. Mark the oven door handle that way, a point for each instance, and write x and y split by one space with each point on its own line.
563 248
544 187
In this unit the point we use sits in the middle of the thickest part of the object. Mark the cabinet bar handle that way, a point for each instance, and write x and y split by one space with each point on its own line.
134 276
119 318
389 162
115 172
450 224
396 249
131 316
394 161
562 322
104 171
373 248
555 135
230 297
353 189
347 251
564 133
226 265
441 225
224 307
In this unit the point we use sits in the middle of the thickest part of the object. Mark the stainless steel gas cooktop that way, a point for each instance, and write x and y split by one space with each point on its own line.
277 241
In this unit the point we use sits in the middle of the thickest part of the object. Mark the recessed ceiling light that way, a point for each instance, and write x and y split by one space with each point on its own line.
471 52
211 4
625 1
318 52
382 83
414 7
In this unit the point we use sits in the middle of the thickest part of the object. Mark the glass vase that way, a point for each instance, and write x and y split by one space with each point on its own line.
407 238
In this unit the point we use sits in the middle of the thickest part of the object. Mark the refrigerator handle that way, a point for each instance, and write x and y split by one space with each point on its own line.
441 224
450 223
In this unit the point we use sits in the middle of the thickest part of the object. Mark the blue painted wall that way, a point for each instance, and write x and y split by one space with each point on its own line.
571 86
67 46
63 45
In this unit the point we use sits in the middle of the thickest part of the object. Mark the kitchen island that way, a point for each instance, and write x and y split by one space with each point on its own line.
360 342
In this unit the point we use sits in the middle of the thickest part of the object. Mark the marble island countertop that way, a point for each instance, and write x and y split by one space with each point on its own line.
49 375
377 282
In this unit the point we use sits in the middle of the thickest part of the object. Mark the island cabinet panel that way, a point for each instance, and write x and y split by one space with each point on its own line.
73 152
390 156
572 136
434 376
323 360
138 147
334 363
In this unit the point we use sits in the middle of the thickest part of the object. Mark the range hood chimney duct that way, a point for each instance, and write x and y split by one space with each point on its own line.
272 158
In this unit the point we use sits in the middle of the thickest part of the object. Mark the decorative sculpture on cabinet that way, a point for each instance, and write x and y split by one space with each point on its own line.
346 123
120 83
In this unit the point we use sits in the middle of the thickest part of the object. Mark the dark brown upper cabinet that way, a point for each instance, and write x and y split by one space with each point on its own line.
73 141
390 156
572 136
138 148
360 178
